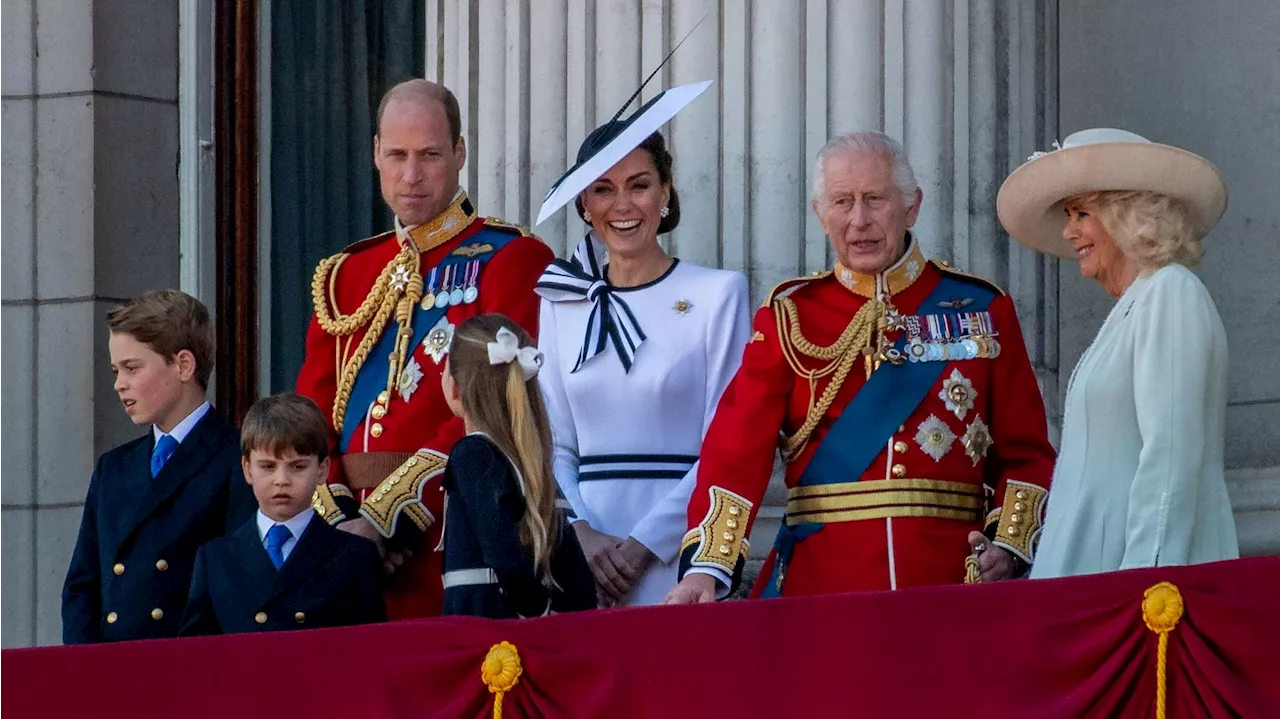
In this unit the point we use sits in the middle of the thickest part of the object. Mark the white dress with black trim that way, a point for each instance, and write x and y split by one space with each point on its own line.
627 439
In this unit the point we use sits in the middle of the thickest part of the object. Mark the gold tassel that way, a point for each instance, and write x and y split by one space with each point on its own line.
1161 610
500 672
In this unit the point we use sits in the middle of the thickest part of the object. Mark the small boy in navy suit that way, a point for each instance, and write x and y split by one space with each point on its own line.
286 568
152 502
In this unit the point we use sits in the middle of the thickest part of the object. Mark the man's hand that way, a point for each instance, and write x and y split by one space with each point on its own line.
994 563
695 588
611 585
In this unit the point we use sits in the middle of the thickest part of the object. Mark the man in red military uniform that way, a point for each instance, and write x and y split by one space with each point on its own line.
385 309
902 397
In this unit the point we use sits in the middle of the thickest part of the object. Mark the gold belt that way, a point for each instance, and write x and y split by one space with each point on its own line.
878 499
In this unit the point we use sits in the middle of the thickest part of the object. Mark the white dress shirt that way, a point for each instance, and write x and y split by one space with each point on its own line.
184 427
296 526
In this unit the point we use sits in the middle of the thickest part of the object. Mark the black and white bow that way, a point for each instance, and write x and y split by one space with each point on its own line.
611 320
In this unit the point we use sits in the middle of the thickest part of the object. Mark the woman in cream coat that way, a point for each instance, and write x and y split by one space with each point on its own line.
1139 478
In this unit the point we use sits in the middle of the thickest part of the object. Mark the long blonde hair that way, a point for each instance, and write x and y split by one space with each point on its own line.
509 409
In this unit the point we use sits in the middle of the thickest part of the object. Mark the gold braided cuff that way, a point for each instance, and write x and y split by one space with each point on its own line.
328 499
400 494
1021 518
721 538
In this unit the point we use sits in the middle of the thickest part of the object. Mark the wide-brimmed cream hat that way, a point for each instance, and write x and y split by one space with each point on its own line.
1031 198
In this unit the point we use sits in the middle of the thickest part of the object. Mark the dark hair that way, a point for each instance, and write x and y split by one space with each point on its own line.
285 422
425 91
500 402
169 321
656 146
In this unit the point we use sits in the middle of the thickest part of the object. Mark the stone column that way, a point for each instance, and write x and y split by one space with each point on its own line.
91 218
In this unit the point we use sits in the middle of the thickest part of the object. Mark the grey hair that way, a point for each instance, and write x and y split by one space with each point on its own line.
873 142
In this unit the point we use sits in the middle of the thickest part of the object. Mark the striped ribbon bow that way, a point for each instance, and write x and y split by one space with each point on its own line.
611 320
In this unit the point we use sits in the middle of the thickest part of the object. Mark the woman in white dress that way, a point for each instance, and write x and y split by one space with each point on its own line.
1139 478
638 349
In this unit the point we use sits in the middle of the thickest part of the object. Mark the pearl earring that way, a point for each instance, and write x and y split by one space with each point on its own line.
586 217
664 212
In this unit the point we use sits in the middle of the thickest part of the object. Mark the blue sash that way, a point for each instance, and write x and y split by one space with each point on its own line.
373 373
883 404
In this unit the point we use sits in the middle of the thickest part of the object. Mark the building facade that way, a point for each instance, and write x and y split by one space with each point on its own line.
108 172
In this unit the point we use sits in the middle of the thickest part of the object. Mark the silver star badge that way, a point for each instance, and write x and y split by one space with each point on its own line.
409 378
935 437
958 394
436 344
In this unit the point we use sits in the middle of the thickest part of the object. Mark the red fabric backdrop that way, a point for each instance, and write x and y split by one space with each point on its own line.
1052 648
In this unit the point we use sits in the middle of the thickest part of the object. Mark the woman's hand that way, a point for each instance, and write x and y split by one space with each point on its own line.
599 548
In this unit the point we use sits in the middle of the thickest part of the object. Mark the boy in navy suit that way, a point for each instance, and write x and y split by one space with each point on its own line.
287 568
153 501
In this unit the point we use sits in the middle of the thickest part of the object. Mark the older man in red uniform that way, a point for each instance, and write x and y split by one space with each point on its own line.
385 309
902 399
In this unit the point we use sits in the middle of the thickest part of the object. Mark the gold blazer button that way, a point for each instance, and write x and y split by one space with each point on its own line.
260 617
118 569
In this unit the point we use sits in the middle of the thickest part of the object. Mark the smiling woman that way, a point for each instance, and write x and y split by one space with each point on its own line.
638 347
1139 481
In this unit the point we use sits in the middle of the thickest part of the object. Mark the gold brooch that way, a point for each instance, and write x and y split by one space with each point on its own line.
682 306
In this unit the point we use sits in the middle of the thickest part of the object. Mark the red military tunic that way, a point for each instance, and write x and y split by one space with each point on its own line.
980 430
391 472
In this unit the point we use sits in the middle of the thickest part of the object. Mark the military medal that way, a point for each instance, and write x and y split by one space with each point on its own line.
429 299
409 378
455 295
951 336
442 299
935 437
958 393
436 344
472 293
977 440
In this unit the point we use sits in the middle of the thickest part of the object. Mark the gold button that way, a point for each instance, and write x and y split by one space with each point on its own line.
384 397
1018 506
899 447
731 523
319 509
111 618
157 614
729 536
1020 494
377 497
376 430
395 480
118 569
724 550
899 470
379 411
386 486
734 511
260 617
162 565
402 472
902 428
1015 519
300 617
412 461
1013 531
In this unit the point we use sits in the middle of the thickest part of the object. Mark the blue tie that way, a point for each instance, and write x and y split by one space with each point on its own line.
276 537
165 448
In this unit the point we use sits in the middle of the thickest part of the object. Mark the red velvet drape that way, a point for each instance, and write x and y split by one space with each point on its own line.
1059 648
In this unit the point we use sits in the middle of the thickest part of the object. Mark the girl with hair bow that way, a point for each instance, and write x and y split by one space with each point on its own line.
507 551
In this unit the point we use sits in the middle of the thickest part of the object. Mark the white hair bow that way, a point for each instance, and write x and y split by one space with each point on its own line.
507 349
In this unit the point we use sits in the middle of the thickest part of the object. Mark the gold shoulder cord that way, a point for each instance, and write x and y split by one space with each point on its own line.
375 311
854 341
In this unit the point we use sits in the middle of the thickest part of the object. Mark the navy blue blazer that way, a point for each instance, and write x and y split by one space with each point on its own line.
131 568
330 579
